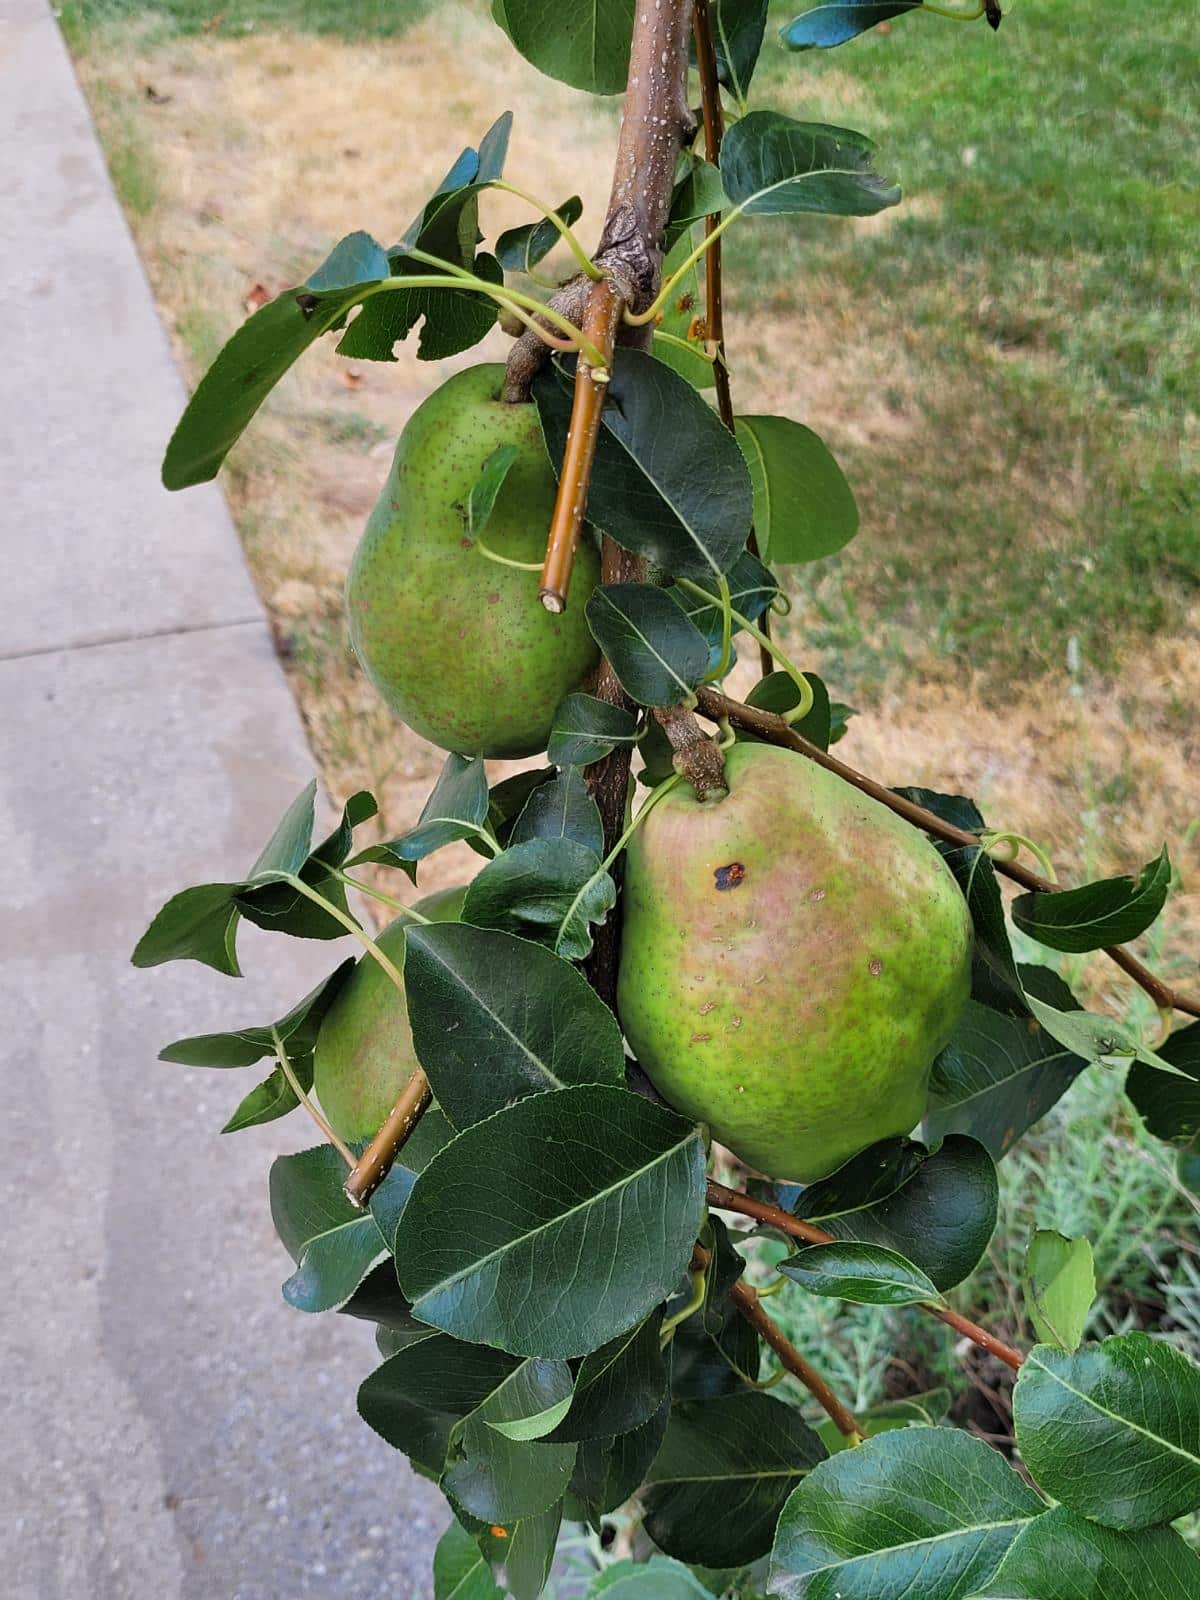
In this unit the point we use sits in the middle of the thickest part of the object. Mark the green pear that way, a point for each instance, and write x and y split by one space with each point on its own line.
794 956
364 1054
460 646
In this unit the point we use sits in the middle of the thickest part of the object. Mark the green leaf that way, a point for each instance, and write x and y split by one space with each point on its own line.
581 42
1062 1556
926 1512
241 1048
260 353
726 1467
563 808
866 1274
1170 1106
660 1578
459 1569
524 1020
586 730
669 481
618 1387
715 1352
772 165
940 1217
997 1077
496 1470
482 499
777 692
803 507
609 1471
416 1399
454 319
827 26
197 924
697 195
506 801
752 587
657 653
333 1243
682 316
456 809
1113 1432
273 1098
918 1410
1060 1285
520 249
592 1199
528 1553
1096 915
547 890
277 905
738 27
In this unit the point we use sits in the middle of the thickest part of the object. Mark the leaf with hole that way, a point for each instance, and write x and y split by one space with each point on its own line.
1113 1431
865 1274
1096 915
725 1469
920 1511
495 1018
557 1224
669 481
803 507
656 651
1059 1281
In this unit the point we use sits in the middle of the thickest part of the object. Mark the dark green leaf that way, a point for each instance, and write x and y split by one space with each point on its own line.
482 498
520 249
1113 1432
459 1569
378 1299
494 1471
669 481
864 1181
715 1351
609 1471
866 1274
278 906
556 1224
197 924
273 1098
1096 915
1060 1556
725 1469
656 652
1170 1105
456 809
586 730
1060 1285
333 1243
803 507
581 42
563 808
506 801
738 27
697 195
548 890
752 587
953 808
941 1218
828 25
257 356
777 692
925 1512
618 1387
297 1031
528 1553
417 1397
524 1020
454 319
771 164
997 1077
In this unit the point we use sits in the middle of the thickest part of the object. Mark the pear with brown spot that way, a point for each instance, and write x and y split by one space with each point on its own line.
794 956
459 645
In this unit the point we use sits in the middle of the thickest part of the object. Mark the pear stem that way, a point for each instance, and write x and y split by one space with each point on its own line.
776 731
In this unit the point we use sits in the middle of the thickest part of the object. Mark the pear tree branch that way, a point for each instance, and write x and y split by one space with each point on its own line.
775 730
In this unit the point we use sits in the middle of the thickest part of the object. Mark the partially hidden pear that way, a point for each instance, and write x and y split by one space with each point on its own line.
793 958
364 1054
459 645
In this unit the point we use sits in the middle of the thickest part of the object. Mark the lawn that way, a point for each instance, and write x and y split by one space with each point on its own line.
1007 366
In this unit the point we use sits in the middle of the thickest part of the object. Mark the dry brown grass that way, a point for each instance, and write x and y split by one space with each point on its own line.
267 149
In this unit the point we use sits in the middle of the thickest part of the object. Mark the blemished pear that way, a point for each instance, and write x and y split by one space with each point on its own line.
794 956
460 646
364 1054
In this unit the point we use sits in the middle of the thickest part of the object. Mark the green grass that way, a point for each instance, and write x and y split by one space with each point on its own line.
229 18
1039 290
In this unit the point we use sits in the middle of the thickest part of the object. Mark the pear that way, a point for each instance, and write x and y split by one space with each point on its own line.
460 646
794 956
364 1053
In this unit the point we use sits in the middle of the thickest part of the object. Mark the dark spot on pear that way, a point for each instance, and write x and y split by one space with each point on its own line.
730 876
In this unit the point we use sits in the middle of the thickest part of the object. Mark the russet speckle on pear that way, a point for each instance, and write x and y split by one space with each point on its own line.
460 646
793 958
364 1054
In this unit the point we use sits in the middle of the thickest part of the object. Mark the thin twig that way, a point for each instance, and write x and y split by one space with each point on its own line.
745 1298
774 729
297 1088
601 320
726 1199
377 1159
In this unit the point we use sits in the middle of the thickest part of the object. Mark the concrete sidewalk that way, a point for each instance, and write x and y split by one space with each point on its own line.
172 1428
